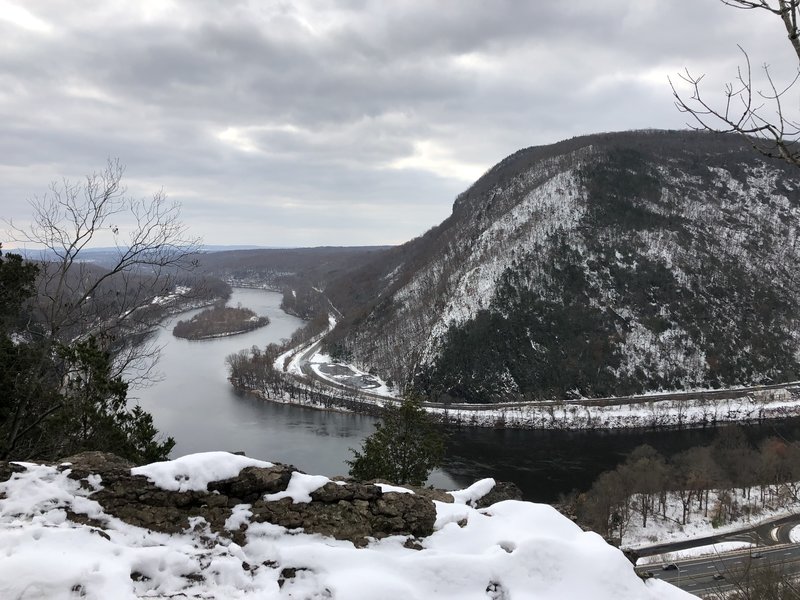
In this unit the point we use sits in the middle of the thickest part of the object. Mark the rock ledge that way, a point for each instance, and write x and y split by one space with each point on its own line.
344 510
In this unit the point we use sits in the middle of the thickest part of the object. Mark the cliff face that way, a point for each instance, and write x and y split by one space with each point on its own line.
604 265
216 525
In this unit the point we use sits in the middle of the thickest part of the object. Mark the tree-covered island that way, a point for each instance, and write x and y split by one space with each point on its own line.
219 321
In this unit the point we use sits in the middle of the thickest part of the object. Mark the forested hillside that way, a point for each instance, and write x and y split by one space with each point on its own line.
300 273
603 265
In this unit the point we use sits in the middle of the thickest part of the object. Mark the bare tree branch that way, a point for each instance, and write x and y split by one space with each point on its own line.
80 299
761 116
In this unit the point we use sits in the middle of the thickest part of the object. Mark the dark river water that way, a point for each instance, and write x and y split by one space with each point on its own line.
195 404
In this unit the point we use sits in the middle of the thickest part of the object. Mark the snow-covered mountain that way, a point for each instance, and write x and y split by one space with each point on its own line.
64 535
603 265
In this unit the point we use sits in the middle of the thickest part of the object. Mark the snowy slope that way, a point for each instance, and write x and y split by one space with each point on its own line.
509 550
678 249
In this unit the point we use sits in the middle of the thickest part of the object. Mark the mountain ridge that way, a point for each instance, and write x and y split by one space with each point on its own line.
602 265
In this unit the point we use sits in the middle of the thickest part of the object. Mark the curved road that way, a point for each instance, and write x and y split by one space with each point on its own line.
793 388
719 572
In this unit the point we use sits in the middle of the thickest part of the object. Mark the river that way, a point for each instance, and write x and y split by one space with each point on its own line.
195 404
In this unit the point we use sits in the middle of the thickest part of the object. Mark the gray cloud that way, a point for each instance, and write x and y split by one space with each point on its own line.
336 122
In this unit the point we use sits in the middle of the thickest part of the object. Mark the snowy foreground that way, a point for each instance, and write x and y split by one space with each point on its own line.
510 550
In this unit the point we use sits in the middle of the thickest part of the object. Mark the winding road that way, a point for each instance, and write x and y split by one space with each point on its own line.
792 389
773 548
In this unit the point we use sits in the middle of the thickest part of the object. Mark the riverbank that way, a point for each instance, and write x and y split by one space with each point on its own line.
652 415
337 385
305 365
194 402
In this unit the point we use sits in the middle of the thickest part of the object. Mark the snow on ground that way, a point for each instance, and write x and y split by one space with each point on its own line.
320 358
290 361
794 535
694 552
385 488
300 487
658 413
662 531
346 374
509 550
180 290
474 492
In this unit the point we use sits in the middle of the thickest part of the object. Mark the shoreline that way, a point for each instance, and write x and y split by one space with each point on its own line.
304 365
562 417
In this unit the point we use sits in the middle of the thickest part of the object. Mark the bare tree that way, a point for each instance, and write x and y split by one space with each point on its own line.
762 115
114 300
86 322
756 581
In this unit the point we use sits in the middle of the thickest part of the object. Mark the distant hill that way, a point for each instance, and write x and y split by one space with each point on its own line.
300 273
602 265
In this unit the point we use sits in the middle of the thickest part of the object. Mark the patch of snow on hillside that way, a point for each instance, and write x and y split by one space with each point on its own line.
552 205
663 355
512 549
699 524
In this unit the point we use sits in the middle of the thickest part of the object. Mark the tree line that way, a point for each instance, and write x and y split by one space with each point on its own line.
723 481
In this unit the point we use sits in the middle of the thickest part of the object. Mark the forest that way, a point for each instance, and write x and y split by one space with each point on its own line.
667 273
727 480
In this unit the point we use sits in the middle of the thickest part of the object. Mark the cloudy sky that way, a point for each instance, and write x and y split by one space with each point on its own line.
337 122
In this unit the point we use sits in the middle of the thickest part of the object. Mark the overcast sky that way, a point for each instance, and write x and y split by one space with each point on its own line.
351 122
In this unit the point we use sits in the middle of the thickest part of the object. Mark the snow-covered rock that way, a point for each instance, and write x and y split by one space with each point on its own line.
57 541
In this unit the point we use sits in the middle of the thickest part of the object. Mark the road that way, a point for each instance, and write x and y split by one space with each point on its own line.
769 533
773 548
792 388
697 575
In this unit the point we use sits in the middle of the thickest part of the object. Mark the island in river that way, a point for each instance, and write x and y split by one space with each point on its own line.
219 321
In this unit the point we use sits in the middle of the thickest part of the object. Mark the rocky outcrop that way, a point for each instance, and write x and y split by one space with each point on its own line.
65 533
342 510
